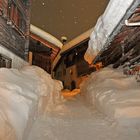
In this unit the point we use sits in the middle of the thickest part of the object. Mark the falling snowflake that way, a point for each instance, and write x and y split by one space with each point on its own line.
43 3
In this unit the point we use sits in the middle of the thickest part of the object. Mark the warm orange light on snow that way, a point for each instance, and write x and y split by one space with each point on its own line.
70 93
98 66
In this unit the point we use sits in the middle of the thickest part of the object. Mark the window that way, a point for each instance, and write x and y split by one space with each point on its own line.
25 1
16 17
59 74
64 71
3 7
5 61
70 60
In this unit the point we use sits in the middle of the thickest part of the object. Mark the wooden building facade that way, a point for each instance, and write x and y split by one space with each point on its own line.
14 26
72 68
42 51
41 54
124 48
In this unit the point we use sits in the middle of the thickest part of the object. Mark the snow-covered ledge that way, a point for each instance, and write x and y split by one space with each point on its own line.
17 62
46 36
106 24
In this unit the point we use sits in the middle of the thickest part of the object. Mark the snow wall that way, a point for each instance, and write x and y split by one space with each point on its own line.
22 94
17 62
114 94
105 25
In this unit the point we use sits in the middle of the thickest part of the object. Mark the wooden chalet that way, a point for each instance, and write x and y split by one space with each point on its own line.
43 51
69 65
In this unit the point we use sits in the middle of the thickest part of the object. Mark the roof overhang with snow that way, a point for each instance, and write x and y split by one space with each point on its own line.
108 26
125 46
46 36
46 39
122 45
72 44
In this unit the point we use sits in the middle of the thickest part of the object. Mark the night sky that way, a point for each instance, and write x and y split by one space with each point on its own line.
67 18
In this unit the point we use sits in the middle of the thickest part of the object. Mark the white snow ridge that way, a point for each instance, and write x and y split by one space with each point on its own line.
114 94
24 94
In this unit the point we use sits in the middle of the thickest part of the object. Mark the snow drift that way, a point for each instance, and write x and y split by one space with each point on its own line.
21 94
105 25
114 94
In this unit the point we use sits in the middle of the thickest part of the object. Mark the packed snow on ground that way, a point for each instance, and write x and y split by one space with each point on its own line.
24 94
113 112
114 94
105 25
74 119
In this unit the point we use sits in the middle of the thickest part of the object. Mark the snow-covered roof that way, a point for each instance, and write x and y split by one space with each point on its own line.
76 40
106 24
46 36
72 44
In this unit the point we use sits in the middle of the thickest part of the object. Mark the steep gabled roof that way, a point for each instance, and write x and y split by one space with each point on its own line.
70 45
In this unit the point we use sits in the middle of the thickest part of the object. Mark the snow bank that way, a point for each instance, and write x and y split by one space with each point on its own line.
20 95
112 16
113 93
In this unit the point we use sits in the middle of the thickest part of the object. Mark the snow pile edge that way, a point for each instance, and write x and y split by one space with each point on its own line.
20 94
105 25
113 93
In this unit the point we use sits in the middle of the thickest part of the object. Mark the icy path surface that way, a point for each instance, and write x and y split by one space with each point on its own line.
74 120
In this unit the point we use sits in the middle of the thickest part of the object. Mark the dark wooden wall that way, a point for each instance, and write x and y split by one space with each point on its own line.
14 26
125 46
41 55
73 57
42 60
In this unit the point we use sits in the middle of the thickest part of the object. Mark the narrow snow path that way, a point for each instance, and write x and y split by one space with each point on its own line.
74 120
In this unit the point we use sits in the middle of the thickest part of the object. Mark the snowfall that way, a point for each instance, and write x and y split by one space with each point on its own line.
32 106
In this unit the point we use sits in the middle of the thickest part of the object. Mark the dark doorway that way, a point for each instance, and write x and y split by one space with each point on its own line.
73 85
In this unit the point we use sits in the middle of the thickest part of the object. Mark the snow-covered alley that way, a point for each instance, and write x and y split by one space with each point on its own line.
75 120
67 74
107 108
